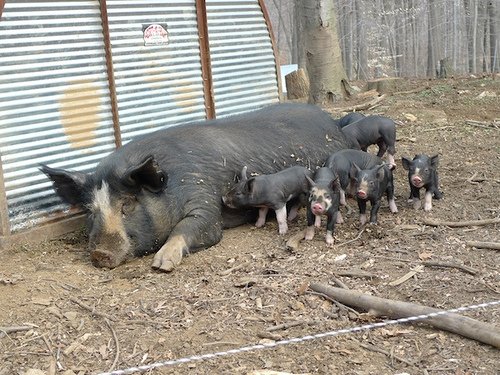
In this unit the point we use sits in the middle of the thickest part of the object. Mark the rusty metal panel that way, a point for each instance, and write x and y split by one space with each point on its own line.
243 64
157 85
54 101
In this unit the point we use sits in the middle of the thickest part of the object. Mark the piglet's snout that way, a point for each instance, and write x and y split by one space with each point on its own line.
317 208
361 194
417 181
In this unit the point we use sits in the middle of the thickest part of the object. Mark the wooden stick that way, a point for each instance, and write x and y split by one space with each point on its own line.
117 345
362 106
354 239
467 327
13 329
484 245
467 269
373 348
91 309
457 224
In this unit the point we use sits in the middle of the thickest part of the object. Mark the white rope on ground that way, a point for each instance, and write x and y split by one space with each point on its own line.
295 340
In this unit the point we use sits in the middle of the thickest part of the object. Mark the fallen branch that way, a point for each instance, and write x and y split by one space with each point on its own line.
373 348
362 106
467 269
339 282
457 224
479 124
356 273
464 326
354 239
91 309
117 345
439 128
484 245
290 325
13 329
407 276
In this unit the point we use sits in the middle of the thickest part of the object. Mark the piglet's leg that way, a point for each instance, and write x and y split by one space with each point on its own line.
201 229
340 219
281 218
309 233
329 238
262 217
428 201
342 197
293 212
416 203
317 221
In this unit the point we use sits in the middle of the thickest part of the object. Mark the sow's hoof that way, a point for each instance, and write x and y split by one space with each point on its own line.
170 255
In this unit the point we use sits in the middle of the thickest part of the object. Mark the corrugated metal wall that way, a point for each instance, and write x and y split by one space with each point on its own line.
54 100
243 65
160 85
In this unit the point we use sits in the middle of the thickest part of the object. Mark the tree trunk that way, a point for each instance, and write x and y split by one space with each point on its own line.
494 41
319 47
362 60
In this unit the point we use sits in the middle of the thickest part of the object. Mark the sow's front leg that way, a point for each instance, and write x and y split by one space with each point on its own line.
201 228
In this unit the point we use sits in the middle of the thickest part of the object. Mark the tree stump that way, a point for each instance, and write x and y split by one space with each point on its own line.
297 84
384 85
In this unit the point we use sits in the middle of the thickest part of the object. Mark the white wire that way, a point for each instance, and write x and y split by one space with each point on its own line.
295 340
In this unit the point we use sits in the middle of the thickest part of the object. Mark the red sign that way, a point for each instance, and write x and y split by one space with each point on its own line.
155 34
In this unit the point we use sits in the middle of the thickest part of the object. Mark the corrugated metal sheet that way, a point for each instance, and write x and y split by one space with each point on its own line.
54 100
243 64
158 85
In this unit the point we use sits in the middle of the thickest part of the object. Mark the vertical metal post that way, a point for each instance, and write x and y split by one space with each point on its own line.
273 43
110 73
4 210
206 67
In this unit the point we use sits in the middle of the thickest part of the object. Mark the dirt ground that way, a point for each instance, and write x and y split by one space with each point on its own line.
250 289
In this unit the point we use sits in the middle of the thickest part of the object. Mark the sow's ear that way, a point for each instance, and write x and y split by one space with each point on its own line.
147 175
70 186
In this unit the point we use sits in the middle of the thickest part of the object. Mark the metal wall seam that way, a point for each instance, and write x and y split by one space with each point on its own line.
157 84
275 47
55 105
242 57
110 71
206 68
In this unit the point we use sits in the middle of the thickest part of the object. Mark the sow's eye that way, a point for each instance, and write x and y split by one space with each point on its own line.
128 205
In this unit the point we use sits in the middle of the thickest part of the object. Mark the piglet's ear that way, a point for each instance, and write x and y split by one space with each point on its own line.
354 171
435 161
406 163
334 185
147 175
311 181
249 185
381 172
244 173
69 186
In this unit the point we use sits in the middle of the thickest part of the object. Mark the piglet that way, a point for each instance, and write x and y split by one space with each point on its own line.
323 199
350 118
422 173
372 130
270 191
370 185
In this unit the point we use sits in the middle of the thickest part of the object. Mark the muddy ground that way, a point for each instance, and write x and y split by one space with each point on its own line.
250 289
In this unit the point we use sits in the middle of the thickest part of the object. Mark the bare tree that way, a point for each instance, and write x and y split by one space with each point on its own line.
319 50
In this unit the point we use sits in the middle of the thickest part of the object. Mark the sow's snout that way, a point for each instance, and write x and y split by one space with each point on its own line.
109 252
